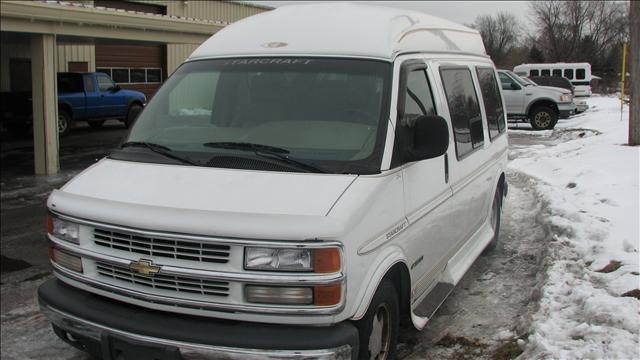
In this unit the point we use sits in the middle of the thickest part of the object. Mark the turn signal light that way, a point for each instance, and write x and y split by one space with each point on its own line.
326 260
327 295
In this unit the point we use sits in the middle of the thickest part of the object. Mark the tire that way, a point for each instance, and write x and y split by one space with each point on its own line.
132 114
96 124
495 221
64 122
378 328
543 118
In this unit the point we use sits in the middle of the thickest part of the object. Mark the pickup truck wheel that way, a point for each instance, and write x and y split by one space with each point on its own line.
495 221
132 115
64 123
378 329
96 124
543 118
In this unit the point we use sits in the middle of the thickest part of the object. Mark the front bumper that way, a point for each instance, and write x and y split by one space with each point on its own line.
91 323
566 109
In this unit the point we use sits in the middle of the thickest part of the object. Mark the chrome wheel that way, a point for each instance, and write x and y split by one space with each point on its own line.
379 340
542 119
63 124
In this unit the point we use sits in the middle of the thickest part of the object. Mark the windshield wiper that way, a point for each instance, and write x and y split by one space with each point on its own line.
271 152
158 149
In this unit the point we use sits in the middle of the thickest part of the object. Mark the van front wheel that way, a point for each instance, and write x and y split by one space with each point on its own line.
378 329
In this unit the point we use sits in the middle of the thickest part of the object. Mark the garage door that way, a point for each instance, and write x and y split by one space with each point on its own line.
133 66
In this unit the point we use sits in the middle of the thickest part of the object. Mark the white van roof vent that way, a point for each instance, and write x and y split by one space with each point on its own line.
340 29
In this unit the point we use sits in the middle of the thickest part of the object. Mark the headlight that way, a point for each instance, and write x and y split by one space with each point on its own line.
62 229
292 259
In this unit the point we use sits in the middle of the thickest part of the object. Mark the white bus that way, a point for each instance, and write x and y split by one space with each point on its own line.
578 73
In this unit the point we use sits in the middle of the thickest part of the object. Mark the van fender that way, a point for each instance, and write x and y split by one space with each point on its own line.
385 260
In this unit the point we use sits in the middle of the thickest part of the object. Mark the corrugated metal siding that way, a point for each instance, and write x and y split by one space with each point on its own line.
73 52
176 54
11 51
209 10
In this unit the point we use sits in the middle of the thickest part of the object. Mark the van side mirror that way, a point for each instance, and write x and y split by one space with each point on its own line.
115 88
431 138
515 86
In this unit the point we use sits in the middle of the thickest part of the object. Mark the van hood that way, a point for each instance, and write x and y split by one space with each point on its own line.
205 201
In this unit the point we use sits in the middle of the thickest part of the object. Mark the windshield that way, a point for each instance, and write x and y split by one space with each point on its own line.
522 81
329 114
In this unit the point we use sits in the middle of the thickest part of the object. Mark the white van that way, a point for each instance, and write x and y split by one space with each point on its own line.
578 73
307 180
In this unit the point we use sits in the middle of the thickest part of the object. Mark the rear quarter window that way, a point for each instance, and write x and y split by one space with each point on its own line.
491 100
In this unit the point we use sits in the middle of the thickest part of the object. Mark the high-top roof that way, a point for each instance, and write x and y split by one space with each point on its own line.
340 29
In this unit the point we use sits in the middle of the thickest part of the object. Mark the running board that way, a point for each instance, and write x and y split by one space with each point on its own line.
428 307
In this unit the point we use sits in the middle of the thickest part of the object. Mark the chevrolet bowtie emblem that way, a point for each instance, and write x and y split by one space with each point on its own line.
144 267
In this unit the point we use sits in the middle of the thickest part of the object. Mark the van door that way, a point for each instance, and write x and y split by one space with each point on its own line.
472 175
426 188
513 95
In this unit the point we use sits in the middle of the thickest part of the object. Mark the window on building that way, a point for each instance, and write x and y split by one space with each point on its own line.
138 75
154 75
104 83
568 73
546 72
534 73
557 72
464 109
580 74
120 75
492 101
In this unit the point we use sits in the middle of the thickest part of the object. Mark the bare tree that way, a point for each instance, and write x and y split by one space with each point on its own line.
500 34
580 30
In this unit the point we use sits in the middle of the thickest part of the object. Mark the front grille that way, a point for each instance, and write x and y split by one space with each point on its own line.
162 247
179 284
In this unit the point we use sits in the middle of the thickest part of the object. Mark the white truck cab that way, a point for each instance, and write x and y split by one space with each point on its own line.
308 179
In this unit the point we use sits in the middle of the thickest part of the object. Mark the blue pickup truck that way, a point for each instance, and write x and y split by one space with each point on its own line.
94 97
91 97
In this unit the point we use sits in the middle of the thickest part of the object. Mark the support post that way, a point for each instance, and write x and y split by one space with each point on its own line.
45 104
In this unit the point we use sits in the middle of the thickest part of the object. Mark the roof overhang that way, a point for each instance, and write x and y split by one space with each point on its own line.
88 21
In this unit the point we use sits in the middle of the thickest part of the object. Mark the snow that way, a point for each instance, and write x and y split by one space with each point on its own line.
588 179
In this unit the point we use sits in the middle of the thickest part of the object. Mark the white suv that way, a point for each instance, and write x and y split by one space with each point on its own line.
542 106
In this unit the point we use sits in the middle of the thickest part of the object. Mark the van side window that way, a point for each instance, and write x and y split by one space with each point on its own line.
464 109
418 101
557 72
534 73
546 72
492 101
580 74
568 73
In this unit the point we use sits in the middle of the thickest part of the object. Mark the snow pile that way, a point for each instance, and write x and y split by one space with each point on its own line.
588 178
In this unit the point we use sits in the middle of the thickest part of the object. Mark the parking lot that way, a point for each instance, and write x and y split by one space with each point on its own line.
490 307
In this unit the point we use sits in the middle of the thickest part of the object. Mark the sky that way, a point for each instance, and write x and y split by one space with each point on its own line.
462 12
